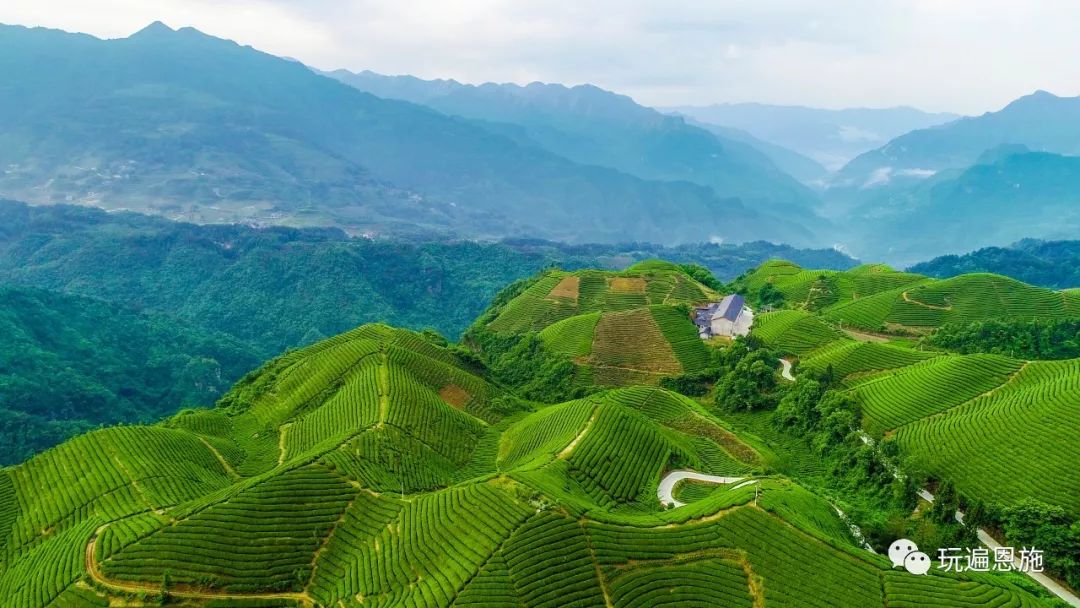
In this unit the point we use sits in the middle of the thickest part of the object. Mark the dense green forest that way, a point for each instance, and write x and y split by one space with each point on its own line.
1054 264
280 287
168 313
70 363
1030 339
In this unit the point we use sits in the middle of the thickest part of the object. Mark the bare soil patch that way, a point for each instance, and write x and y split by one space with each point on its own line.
454 395
628 285
568 288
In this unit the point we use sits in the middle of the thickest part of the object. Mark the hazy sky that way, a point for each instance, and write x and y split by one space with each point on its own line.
966 56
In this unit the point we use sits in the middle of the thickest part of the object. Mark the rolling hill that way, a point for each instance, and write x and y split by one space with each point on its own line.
970 419
877 298
618 328
376 468
193 127
558 295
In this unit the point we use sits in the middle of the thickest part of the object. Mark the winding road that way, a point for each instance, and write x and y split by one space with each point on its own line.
667 484
984 537
785 370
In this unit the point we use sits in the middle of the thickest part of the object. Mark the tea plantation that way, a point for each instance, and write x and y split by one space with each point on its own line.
381 467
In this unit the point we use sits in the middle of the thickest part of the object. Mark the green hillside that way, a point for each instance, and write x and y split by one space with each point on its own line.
878 298
963 299
793 331
1010 443
974 420
376 468
559 295
69 364
636 346
615 328
819 289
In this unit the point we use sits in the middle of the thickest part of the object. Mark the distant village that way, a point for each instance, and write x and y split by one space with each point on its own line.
729 317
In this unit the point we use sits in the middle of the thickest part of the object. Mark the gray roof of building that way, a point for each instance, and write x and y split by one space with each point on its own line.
731 306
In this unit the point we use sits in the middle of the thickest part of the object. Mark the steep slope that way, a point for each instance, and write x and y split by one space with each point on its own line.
596 127
69 364
831 137
372 469
187 125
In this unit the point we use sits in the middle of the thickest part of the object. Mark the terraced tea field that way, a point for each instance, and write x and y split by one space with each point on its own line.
819 289
793 331
895 398
636 346
962 299
1015 442
560 295
376 468
848 358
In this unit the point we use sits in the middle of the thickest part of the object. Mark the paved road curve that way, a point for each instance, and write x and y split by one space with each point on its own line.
667 484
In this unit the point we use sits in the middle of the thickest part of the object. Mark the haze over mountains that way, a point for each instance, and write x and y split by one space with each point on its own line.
245 136
974 182
192 127
830 137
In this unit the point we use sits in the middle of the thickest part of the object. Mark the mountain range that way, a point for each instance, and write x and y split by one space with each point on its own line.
191 126
971 183
829 137
594 126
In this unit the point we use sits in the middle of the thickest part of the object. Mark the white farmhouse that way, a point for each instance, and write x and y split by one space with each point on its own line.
730 317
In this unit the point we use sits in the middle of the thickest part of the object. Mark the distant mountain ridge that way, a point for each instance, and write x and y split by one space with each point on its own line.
193 127
830 137
1041 121
592 126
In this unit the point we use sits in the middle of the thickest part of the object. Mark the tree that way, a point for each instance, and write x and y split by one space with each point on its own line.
797 409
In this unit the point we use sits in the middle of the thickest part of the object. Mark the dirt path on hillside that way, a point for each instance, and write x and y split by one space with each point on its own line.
908 299
179 591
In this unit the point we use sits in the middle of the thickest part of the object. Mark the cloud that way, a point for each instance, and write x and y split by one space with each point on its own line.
960 55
